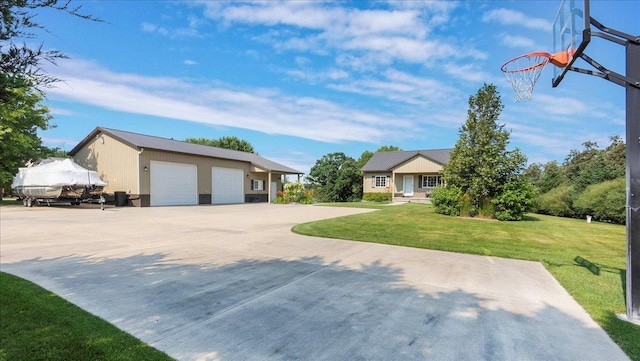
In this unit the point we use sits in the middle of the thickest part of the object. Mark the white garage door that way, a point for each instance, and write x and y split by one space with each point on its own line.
173 184
227 185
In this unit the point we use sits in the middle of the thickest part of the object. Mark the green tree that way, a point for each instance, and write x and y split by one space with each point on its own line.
364 158
336 177
480 164
22 114
593 165
552 177
21 74
227 142
579 160
534 173
55 152
388 148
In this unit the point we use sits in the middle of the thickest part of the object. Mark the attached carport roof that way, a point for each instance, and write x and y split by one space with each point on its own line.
142 141
386 161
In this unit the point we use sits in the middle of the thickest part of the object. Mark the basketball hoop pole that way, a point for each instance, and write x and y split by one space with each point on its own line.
631 82
633 182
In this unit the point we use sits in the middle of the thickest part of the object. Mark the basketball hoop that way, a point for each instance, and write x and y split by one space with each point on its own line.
523 71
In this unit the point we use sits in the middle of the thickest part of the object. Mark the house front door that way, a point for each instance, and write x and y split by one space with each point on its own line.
408 186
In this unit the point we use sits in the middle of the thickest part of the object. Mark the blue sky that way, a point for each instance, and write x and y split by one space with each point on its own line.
303 79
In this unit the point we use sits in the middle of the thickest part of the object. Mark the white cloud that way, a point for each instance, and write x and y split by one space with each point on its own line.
152 28
403 87
264 110
190 62
469 72
60 111
512 17
515 41
399 33
556 105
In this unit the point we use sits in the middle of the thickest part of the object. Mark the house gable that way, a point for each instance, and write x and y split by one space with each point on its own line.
418 164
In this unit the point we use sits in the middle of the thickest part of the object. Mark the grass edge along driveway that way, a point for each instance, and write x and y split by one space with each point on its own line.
589 260
36 324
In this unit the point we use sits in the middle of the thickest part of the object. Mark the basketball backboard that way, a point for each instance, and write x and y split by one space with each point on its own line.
571 33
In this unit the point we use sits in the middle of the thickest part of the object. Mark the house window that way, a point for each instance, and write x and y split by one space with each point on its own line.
430 181
257 185
380 181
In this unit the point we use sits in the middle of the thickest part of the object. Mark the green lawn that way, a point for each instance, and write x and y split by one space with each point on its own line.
589 260
35 324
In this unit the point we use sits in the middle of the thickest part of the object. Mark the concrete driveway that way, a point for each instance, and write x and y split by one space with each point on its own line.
233 283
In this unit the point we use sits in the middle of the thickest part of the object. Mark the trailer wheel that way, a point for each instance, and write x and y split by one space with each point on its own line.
24 202
29 202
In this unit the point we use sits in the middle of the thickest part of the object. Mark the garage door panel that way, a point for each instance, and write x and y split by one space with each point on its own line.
227 185
173 184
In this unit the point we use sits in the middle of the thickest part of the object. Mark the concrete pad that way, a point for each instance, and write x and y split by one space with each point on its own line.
233 283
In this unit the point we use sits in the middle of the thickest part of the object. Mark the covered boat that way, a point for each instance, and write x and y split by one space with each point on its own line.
57 180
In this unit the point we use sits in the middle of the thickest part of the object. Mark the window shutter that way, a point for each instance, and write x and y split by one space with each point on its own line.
373 184
387 182
262 185
420 181
252 184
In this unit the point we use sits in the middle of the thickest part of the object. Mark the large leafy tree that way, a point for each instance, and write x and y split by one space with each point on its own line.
480 164
336 177
22 114
593 165
227 142
21 81
552 177
485 177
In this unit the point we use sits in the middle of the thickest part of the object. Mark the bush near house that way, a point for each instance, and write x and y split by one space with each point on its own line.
446 200
377 197
294 193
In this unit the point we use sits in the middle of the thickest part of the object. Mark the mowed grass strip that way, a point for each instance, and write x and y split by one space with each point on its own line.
589 260
36 324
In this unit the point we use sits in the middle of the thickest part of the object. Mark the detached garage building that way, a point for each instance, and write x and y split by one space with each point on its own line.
153 171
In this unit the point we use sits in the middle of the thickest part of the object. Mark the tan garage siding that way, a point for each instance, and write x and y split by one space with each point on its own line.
204 165
115 162
419 165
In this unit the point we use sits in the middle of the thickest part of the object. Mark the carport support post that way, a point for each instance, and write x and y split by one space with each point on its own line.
269 190
633 181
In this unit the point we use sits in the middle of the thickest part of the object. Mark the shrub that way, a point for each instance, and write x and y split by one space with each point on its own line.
604 201
467 209
280 200
486 209
306 198
295 190
446 200
555 202
514 201
377 197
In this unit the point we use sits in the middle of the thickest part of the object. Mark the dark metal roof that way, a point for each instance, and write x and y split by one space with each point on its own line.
136 140
386 161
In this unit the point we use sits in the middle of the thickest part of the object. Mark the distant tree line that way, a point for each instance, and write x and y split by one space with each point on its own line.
227 142
590 182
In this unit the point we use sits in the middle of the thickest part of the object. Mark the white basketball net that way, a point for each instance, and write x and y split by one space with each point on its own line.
523 73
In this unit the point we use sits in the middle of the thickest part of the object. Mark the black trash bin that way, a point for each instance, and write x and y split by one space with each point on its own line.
121 199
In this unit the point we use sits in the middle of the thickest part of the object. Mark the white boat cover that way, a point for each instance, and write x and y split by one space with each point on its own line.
56 173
